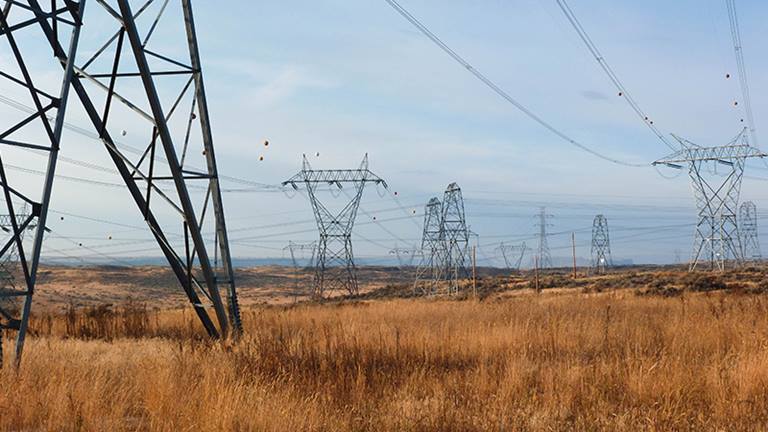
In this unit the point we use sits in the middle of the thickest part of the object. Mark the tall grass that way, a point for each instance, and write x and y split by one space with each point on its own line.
550 362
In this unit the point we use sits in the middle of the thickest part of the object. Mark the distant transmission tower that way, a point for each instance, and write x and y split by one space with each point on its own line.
601 245
431 271
455 235
544 257
12 282
405 256
298 252
335 266
716 237
750 243
512 255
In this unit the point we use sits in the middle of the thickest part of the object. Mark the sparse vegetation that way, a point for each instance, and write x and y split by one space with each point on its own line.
703 282
555 361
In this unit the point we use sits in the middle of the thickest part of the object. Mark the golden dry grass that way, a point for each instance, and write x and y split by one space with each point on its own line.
549 362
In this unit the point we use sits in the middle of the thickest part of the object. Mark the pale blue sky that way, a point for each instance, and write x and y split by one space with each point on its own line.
342 78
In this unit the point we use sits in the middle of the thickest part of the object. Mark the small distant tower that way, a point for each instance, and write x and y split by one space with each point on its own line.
298 252
601 245
510 253
431 271
405 256
748 230
455 235
544 257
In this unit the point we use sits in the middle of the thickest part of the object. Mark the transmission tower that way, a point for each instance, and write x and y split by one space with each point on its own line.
405 256
431 271
601 245
512 255
455 236
750 243
300 249
335 266
544 257
11 274
117 83
716 174
298 252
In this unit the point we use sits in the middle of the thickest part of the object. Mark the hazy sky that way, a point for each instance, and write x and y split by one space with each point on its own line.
343 78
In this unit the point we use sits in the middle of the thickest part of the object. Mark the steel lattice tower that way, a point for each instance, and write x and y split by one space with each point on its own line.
335 265
431 271
508 253
405 256
716 236
544 257
11 275
117 82
455 236
750 242
601 245
295 249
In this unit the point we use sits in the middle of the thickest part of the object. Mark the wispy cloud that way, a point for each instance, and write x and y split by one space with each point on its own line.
594 95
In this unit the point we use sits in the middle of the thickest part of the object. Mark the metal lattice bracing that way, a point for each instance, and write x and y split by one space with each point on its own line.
716 174
455 235
335 266
133 85
40 82
431 271
750 243
12 280
543 255
601 245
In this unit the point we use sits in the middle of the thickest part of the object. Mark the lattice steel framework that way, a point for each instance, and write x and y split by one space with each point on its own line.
431 270
750 243
512 254
335 266
544 256
455 236
38 131
125 83
12 278
601 245
716 236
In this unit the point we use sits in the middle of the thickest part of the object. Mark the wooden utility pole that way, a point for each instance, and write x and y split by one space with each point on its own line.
573 245
474 269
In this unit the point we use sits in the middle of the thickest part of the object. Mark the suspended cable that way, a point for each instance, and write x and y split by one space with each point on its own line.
733 19
568 12
87 133
498 90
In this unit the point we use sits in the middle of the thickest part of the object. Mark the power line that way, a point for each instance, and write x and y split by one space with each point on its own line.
498 90
609 71
733 19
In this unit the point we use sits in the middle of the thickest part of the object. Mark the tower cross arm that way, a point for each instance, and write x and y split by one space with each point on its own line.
725 154
334 176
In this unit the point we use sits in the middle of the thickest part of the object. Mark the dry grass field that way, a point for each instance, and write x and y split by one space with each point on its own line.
580 358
